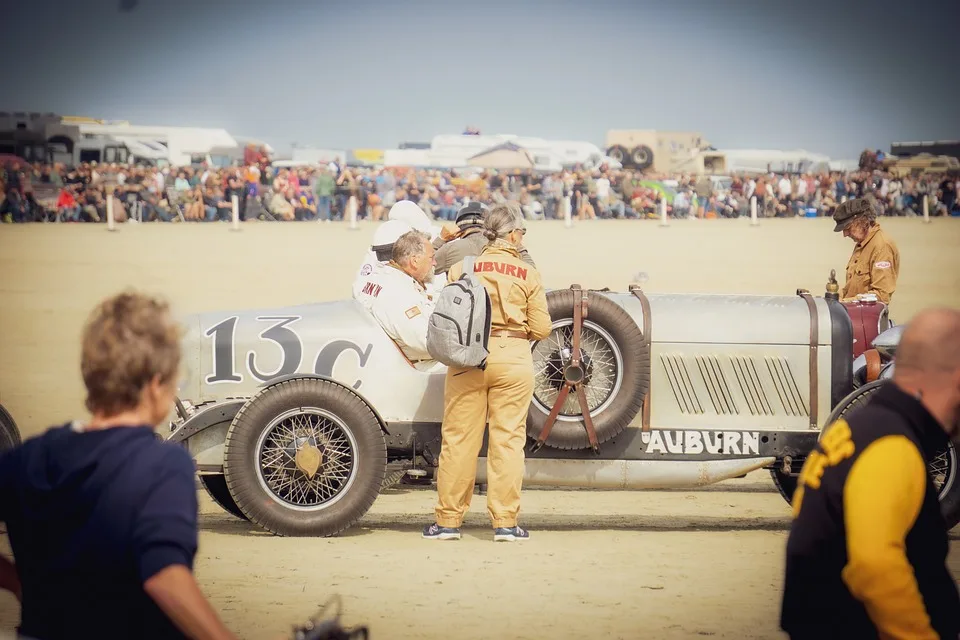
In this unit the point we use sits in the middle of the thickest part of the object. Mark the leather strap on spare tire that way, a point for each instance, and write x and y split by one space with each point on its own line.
573 374
873 364
647 321
814 342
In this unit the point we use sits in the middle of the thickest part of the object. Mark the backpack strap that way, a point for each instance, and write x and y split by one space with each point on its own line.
468 265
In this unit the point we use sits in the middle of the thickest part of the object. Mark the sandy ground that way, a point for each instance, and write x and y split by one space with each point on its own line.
618 564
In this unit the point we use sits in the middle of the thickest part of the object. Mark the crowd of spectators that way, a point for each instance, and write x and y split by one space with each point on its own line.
37 193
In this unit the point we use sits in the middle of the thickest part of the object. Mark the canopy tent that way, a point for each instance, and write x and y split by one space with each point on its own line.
502 156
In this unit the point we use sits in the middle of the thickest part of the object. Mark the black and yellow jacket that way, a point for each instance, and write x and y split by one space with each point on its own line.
866 556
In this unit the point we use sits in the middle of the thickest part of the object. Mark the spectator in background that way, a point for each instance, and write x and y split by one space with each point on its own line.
14 208
235 188
67 206
324 187
304 206
181 183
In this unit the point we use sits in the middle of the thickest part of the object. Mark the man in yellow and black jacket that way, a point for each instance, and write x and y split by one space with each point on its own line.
866 555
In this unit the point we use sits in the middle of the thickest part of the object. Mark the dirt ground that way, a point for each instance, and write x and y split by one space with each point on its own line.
619 564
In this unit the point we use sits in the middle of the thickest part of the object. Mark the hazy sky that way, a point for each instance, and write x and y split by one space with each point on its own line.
831 76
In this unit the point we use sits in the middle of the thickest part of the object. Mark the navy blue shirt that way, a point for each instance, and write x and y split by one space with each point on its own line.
91 516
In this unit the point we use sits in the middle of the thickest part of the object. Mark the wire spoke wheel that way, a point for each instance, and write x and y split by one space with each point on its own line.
943 471
284 452
602 363
614 370
942 467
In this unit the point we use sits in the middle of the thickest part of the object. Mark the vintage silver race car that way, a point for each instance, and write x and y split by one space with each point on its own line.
298 416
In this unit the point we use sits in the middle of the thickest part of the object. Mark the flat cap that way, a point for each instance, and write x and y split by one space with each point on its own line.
850 210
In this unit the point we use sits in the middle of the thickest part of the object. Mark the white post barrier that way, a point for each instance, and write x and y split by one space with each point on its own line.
753 211
926 209
352 211
567 212
663 213
235 203
111 223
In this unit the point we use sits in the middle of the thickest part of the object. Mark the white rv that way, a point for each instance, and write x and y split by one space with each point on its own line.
160 145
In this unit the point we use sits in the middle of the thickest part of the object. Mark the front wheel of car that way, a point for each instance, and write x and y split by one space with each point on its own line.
305 457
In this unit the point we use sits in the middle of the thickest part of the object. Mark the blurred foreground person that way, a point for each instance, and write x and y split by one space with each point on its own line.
102 516
866 556
498 395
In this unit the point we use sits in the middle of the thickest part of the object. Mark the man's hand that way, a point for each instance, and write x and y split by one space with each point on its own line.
10 579
449 231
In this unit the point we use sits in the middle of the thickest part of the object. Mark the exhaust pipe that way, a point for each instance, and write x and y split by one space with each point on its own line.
630 474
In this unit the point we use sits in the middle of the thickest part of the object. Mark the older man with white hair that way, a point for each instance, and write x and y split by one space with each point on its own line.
403 216
399 297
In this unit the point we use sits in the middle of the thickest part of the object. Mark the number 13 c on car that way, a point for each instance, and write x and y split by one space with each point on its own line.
223 346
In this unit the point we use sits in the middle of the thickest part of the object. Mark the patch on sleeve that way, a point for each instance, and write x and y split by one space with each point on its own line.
883 264
412 312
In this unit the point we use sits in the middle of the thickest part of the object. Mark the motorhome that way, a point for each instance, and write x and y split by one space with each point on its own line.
156 144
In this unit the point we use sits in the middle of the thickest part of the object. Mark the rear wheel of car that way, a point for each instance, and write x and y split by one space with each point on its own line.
942 468
616 360
216 488
305 457
9 433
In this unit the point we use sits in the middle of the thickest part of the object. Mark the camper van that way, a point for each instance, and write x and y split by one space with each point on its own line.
109 149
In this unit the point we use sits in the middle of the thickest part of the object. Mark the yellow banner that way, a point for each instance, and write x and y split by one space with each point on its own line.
368 156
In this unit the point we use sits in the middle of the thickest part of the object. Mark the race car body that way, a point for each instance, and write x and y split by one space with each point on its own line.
294 415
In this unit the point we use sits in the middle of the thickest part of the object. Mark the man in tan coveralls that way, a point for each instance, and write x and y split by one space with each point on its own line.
875 262
499 395
470 240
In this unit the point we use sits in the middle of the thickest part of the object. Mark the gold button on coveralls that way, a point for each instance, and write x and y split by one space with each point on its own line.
873 267
499 396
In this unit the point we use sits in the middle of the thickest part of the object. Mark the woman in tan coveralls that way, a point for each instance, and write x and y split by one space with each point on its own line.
499 395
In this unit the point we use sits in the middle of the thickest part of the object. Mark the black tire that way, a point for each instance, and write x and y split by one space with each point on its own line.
351 432
641 156
216 488
9 433
619 153
943 468
611 410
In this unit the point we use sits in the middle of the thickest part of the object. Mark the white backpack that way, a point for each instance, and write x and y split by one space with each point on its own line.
458 330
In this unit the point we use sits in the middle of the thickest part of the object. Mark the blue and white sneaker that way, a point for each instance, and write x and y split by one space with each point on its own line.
436 532
510 534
